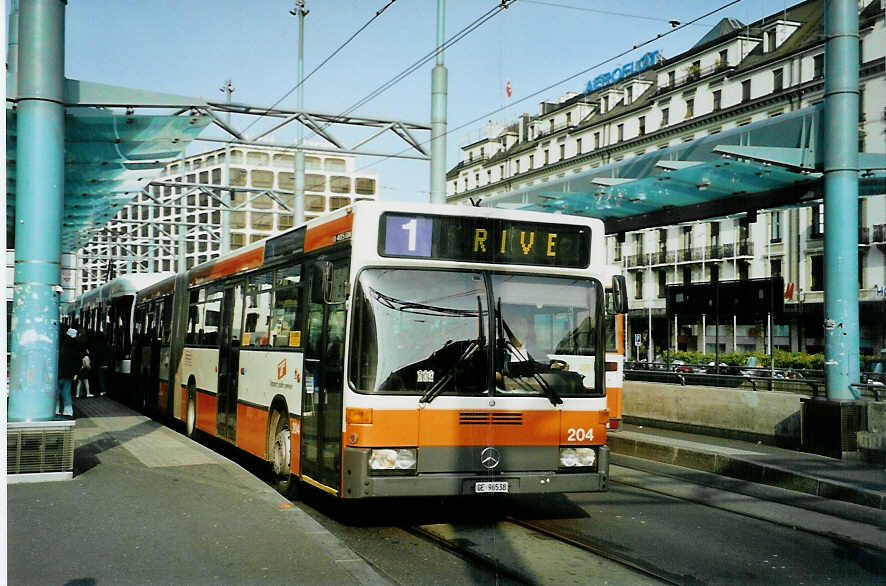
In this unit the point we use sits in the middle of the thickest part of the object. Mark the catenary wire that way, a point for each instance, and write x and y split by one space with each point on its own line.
606 12
378 13
424 59
564 80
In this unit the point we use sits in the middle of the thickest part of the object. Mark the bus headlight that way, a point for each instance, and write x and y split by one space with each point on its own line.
392 459
577 457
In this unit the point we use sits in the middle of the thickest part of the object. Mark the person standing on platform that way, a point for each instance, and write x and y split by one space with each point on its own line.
68 365
82 377
98 353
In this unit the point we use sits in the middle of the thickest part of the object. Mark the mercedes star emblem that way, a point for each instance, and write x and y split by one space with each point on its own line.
490 458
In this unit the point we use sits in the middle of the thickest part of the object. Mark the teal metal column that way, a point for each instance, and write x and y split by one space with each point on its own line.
439 81
299 170
38 212
841 330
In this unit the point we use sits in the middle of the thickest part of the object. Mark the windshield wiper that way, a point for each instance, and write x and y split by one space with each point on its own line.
475 345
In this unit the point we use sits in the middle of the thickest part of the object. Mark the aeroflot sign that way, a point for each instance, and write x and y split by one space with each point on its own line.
619 73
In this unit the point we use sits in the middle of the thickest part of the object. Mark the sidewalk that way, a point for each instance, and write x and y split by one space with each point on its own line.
148 505
840 485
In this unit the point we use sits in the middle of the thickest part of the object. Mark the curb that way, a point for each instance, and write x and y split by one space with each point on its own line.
744 469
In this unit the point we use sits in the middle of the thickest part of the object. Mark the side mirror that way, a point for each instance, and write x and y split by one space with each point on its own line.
321 283
619 294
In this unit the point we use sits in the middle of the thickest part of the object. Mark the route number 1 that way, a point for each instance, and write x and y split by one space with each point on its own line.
412 227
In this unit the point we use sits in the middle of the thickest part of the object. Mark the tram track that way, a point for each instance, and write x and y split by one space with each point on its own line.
545 560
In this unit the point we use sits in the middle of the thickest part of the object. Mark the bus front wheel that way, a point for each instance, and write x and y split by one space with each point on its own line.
279 453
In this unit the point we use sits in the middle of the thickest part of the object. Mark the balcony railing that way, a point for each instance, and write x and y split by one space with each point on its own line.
694 74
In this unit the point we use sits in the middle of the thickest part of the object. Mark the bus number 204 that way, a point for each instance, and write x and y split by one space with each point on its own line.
577 434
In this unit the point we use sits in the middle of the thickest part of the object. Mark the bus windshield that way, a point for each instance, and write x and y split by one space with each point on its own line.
428 332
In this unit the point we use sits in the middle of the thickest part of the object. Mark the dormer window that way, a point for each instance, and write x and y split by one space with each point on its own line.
605 104
629 95
770 41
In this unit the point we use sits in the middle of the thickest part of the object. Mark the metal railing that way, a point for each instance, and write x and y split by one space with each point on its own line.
787 380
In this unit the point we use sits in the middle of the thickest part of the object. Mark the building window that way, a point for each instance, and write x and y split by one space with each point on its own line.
629 95
694 71
596 140
687 275
642 122
818 221
775 267
715 233
662 283
775 227
638 243
476 179
482 153
664 116
620 131
547 156
743 270
488 176
723 59
718 99
517 167
562 151
568 118
605 104
618 245
577 146
687 238
770 41
532 161
778 80
817 272
715 273
501 171
638 285
466 183
746 90
672 78
690 107
818 66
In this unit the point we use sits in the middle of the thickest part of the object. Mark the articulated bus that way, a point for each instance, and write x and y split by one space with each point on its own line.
395 350
109 309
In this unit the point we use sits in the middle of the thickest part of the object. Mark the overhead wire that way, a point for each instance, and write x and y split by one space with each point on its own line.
378 13
565 79
478 22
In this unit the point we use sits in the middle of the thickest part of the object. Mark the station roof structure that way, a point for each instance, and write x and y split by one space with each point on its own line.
111 153
117 140
777 162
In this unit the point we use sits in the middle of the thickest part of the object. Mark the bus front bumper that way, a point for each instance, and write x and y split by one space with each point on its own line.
358 483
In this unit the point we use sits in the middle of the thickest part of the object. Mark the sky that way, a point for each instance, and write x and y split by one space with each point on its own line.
190 47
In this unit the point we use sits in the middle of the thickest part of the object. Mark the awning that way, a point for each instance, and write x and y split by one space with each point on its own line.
773 163
110 155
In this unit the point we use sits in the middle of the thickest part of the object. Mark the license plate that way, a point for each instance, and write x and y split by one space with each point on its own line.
491 487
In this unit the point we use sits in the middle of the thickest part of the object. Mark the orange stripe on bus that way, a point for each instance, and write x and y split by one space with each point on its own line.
207 408
620 334
229 266
614 401
325 234
445 428
252 429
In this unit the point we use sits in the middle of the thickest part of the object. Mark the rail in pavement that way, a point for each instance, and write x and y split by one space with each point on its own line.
846 481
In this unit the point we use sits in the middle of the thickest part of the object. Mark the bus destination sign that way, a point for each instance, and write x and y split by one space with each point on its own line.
488 240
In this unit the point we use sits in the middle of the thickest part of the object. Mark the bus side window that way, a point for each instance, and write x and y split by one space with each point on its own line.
256 330
212 318
193 318
287 298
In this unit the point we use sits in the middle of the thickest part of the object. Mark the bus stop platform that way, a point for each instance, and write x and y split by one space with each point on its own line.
849 488
147 505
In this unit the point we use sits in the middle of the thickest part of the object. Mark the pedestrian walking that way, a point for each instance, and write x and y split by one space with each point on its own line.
68 365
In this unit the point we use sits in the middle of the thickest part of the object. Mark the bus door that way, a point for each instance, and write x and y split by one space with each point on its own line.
324 375
229 328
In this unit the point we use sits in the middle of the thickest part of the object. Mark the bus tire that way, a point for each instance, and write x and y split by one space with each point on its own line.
279 454
191 414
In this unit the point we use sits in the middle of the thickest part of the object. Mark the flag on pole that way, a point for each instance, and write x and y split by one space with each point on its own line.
508 89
